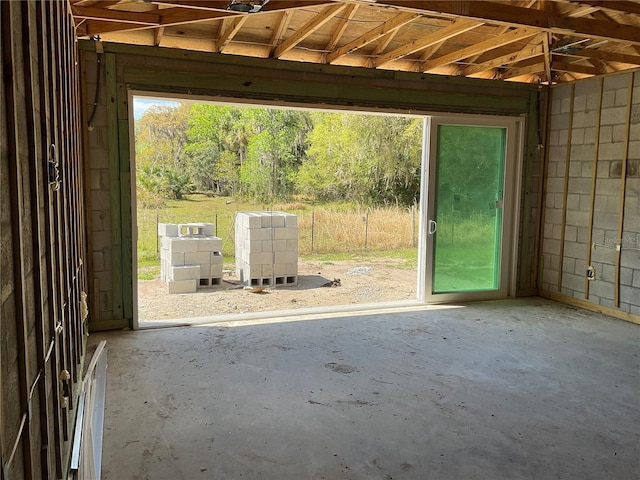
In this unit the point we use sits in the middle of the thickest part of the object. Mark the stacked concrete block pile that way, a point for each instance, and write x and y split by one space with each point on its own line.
267 248
190 257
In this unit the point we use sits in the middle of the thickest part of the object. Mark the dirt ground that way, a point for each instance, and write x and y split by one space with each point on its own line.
381 280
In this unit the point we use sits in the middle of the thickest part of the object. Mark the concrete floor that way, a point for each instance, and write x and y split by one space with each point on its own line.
522 389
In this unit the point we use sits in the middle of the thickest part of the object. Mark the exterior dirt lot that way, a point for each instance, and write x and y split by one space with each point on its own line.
381 280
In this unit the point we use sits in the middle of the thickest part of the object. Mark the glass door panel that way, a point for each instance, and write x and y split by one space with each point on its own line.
468 208
471 208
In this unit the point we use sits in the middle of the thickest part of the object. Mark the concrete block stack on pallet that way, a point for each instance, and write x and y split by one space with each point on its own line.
267 248
190 256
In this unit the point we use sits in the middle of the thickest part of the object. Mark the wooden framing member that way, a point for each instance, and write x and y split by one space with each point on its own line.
566 186
12 57
114 182
542 198
311 26
49 109
594 178
623 190
35 185
373 35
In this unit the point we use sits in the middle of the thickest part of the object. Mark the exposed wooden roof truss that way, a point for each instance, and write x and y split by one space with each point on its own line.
545 41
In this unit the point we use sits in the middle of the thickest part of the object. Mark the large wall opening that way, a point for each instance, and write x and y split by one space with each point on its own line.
352 181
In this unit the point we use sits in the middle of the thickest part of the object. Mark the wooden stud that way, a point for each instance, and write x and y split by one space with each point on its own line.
31 56
566 186
341 27
594 177
48 108
16 127
523 54
114 182
623 191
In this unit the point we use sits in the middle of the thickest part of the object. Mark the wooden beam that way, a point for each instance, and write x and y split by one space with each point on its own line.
618 6
342 25
307 29
565 188
623 191
525 70
157 36
547 56
605 56
115 15
594 180
506 14
280 30
575 68
230 29
373 35
524 54
180 16
450 31
489 44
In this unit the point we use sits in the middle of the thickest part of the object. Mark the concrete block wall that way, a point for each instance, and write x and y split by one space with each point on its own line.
190 256
583 199
266 248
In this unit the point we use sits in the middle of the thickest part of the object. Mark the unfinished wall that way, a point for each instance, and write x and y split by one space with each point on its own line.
226 77
592 195
42 328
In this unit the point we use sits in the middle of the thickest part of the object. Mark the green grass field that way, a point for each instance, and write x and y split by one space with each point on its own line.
325 233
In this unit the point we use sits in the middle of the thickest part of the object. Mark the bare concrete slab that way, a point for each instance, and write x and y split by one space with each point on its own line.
523 389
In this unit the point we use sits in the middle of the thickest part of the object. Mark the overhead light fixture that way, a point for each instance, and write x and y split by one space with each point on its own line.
246 6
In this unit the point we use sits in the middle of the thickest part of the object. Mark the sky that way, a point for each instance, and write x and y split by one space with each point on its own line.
142 104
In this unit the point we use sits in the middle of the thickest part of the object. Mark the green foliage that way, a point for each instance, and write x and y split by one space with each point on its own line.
158 184
276 154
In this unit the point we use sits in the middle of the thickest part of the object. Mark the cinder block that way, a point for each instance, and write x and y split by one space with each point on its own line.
215 271
612 116
182 286
204 270
252 220
258 258
280 246
167 229
285 234
292 245
186 272
181 244
174 259
197 258
286 257
267 270
267 246
277 221
259 233
211 244
216 258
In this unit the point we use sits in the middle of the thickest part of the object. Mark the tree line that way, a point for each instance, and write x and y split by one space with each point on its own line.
276 154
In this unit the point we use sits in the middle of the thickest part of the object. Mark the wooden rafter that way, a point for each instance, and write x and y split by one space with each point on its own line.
501 43
504 13
524 54
619 6
504 39
373 35
279 31
311 26
607 56
157 37
341 26
456 28
229 30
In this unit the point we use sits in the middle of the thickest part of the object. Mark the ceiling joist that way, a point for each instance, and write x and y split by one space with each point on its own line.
526 40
